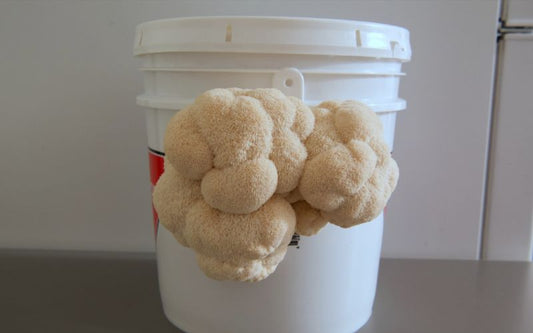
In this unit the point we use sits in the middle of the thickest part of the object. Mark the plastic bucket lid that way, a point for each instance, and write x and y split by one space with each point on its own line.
285 36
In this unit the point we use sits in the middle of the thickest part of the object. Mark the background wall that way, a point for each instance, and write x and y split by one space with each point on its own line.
73 170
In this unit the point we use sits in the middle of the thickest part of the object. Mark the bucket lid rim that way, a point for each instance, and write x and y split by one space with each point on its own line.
290 35
273 18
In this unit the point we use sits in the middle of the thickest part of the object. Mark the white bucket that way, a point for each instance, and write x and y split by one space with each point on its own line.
327 283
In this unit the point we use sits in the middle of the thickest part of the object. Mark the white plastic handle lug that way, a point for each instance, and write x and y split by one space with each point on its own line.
290 81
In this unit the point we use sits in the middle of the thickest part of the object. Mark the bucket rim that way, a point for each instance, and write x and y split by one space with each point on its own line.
287 35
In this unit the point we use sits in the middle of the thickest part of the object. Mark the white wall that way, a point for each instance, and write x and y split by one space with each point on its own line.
509 214
72 141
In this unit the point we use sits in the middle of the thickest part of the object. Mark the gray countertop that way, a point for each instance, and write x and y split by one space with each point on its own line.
112 292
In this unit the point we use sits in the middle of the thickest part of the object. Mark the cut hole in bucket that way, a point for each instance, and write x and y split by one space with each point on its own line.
394 45
228 33
288 83
358 38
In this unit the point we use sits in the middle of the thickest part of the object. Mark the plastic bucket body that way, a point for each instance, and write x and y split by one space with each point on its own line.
327 282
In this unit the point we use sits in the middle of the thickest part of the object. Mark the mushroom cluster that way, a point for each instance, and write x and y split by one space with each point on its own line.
245 169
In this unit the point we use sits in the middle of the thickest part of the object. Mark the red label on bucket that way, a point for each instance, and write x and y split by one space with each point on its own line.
155 158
